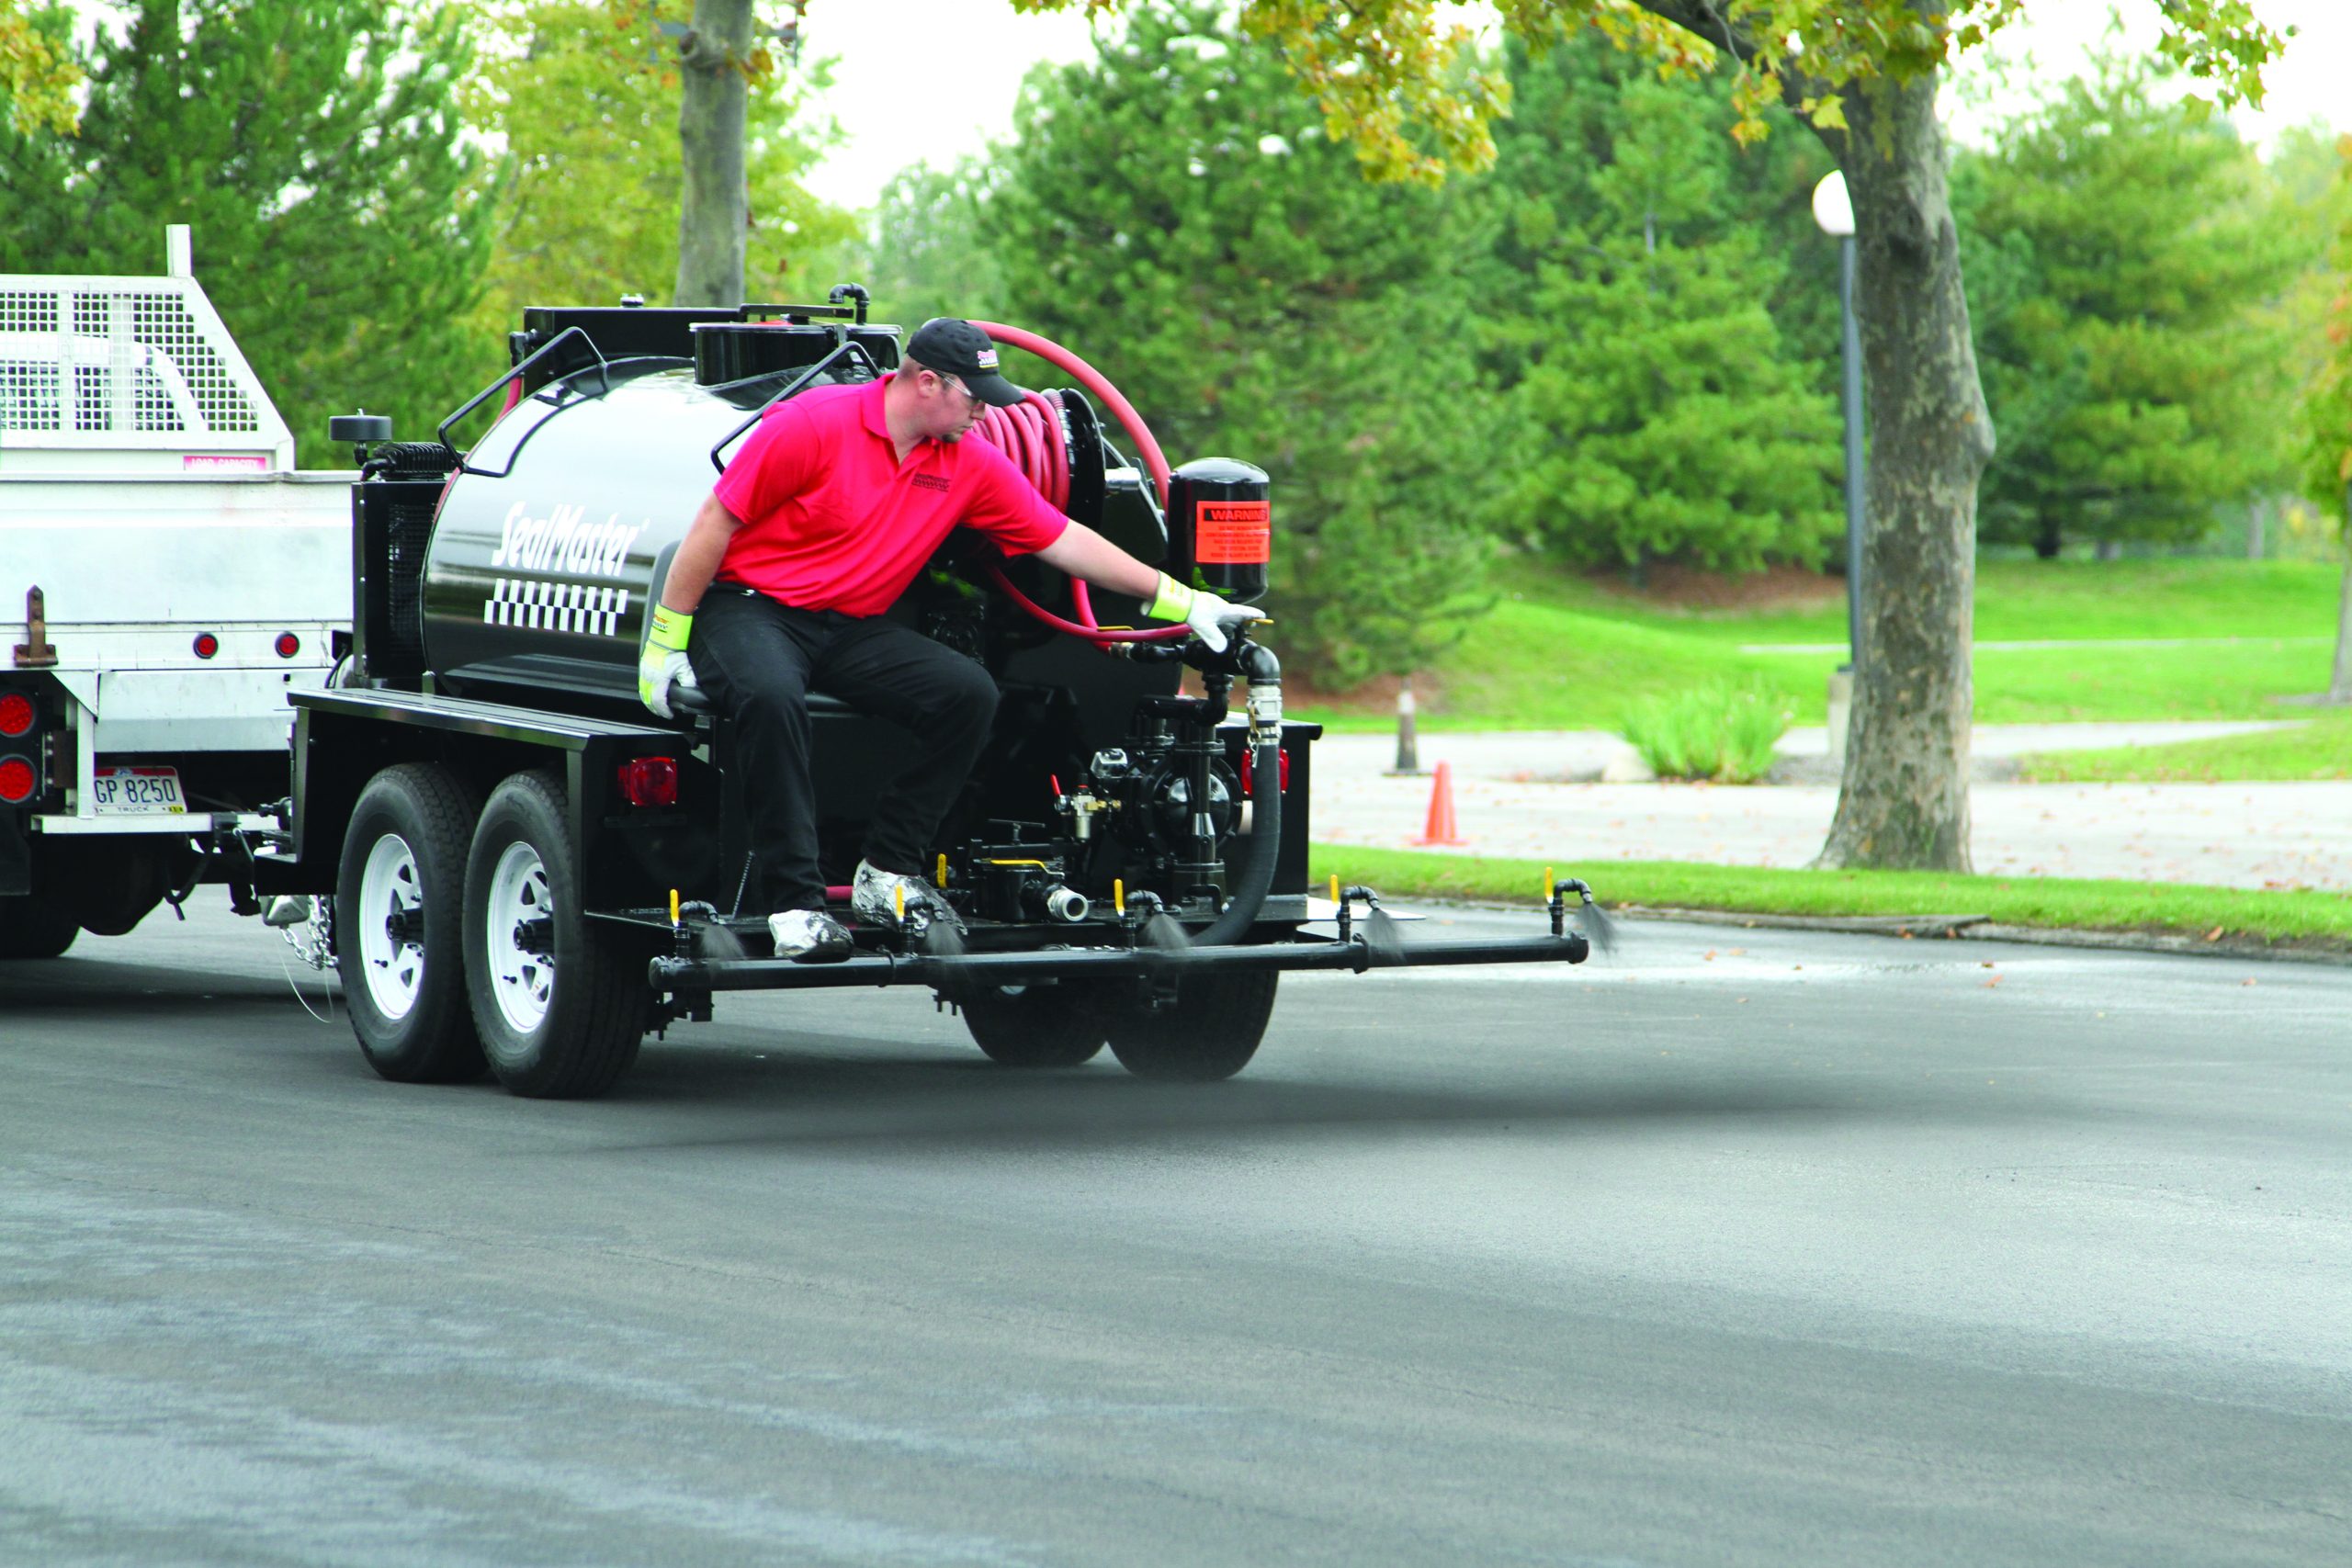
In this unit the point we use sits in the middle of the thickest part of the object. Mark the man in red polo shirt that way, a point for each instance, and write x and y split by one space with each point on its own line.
817 526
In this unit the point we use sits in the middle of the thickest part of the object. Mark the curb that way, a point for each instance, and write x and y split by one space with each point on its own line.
1977 928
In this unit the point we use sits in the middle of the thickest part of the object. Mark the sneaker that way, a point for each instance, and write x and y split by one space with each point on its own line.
875 897
809 936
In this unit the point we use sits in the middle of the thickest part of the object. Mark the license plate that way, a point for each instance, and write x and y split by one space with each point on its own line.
128 792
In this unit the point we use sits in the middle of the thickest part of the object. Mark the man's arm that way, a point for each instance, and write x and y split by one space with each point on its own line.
700 554
1082 552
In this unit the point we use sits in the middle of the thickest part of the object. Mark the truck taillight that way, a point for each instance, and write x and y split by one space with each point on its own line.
650 781
17 780
288 645
206 645
16 715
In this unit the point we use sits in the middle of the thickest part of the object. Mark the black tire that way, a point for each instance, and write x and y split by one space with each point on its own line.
1209 1032
406 993
32 928
558 1022
1036 1026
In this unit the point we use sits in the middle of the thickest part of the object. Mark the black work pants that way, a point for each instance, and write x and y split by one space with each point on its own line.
759 660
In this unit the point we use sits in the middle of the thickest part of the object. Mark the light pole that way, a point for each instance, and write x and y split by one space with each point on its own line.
1833 208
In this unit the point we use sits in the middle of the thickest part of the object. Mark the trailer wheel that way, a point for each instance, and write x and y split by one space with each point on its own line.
397 902
31 929
1036 1026
560 1005
1210 1032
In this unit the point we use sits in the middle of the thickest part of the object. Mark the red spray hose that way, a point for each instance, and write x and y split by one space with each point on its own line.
1030 435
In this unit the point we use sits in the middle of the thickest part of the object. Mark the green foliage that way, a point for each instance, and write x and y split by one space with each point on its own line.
1657 410
2326 468
1715 732
1176 212
312 146
2119 251
37 72
930 252
584 97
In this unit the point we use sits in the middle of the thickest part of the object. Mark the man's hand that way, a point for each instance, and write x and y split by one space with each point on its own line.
1207 614
664 663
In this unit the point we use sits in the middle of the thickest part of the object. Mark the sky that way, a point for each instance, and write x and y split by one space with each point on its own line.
963 60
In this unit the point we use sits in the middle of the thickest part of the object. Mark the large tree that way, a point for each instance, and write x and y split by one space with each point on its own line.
37 71
595 185
312 146
1863 73
1175 211
2134 353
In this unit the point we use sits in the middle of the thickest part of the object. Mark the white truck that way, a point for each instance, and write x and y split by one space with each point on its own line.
166 579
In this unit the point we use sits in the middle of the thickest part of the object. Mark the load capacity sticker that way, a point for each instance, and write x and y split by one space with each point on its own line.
1234 533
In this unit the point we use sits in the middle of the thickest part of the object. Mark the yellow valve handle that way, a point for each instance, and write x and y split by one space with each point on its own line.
941 880
1547 885
673 905
899 897
1119 896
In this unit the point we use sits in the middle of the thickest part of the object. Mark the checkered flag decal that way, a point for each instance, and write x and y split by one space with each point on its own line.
556 607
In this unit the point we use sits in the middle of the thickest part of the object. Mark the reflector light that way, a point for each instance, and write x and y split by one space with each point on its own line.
16 780
17 714
1249 766
650 781
207 645
288 645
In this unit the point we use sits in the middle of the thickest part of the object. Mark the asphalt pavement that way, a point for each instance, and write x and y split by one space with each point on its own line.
1739 1247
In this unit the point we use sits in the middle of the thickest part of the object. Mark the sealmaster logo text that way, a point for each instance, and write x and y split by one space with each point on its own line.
559 541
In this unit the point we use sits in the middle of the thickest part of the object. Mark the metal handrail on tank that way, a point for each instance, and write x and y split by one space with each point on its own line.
603 368
847 345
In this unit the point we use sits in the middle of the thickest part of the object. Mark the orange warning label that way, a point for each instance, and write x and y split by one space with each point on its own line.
1234 533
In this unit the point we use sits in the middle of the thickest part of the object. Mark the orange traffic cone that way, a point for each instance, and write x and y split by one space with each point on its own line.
1441 829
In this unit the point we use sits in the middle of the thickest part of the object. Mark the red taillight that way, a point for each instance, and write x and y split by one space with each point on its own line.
288 645
1249 786
650 781
17 780
206 645
17 714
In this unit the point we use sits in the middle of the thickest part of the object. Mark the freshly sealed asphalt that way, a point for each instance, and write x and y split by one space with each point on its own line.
1740 1247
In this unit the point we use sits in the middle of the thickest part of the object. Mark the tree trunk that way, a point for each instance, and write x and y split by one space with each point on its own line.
1904 798
714 212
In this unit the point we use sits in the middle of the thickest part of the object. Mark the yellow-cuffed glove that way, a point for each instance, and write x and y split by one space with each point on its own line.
664 664
1207 614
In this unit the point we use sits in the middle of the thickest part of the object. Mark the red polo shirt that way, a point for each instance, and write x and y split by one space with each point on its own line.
831 520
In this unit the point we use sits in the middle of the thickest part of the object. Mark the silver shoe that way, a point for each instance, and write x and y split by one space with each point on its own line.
877 895
809 936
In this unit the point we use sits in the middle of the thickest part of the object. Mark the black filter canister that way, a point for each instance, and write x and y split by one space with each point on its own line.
1221 515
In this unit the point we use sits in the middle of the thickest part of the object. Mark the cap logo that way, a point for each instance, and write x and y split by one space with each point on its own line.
986 359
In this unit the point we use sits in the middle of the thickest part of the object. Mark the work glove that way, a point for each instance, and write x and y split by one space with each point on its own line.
1207 614
663 664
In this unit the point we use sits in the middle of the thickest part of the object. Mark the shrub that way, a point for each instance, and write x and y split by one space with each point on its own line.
1713 731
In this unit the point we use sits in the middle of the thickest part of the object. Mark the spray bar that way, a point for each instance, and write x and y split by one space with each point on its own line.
670 977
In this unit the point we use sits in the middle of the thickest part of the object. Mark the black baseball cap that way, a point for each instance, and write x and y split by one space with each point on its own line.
960 349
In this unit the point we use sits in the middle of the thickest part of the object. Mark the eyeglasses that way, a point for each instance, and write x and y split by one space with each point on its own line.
947 381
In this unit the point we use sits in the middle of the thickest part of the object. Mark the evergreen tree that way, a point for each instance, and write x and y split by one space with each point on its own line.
312 147
1660 412
2122 250
1176 212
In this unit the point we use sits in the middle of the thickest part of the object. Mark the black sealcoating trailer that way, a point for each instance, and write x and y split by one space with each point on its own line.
529 872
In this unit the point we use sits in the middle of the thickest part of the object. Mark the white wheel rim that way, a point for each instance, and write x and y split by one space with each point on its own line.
521 980
389 886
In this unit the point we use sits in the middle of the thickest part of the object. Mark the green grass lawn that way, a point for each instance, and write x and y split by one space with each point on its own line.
1564 652
2319 749
2304 919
